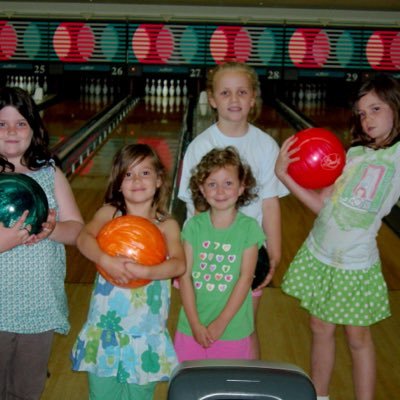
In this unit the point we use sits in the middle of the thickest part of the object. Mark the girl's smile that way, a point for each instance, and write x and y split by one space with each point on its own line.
232 96
15 134
141 181
222 188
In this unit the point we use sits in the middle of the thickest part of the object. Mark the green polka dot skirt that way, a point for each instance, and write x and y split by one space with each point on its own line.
357 298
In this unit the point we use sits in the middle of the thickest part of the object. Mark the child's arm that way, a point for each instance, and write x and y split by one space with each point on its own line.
313 199
238 295
200 332
175 263
271 221
88 246
14 236
70 221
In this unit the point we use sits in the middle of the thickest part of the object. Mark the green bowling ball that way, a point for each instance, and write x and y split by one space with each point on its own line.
19 192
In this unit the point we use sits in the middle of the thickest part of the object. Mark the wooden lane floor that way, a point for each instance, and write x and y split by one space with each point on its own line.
161 130
284 337
279 315
67 116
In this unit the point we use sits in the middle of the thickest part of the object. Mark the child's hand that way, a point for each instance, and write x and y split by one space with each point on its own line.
116 268
137 271
216 329
16 235
47 228
202 336
285 157
270 275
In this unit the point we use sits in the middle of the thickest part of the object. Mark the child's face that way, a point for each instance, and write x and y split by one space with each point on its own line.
15 134
232 96
376 117
222 188
140 182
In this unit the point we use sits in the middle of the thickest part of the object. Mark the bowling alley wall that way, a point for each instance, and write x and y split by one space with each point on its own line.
52 47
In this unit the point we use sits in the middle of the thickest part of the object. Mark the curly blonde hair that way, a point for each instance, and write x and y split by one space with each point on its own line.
216 159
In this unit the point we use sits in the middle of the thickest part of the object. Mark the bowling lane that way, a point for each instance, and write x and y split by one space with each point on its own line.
66 117
274 124
159 127
334 117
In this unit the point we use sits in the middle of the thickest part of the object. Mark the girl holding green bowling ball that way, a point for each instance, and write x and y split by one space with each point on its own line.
32 265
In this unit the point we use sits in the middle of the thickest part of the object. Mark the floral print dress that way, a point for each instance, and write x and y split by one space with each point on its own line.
126 334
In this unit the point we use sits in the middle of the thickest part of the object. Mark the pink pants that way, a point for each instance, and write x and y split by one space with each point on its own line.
188 349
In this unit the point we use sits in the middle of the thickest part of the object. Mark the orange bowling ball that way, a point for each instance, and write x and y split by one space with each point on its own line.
133 237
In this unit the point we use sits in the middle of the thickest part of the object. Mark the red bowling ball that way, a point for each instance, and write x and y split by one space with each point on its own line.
322 158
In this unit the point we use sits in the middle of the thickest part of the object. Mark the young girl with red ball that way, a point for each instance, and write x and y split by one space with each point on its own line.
337 274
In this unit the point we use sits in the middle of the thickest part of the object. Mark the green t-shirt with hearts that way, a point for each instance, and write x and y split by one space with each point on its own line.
217 257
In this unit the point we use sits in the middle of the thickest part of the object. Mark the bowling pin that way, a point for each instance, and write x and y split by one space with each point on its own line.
171 88
87 88
91 86
178 91
184 89
203 99
45 85
97 88
29 85
147 87
159 88
203 109
38 95
153 88
301 92
165 88
105 86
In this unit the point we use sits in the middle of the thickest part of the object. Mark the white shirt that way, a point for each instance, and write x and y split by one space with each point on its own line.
256 148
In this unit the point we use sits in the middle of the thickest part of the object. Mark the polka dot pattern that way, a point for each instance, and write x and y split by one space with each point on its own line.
346 297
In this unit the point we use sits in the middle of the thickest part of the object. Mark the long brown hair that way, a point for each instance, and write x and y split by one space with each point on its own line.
38 153
134 154
387 89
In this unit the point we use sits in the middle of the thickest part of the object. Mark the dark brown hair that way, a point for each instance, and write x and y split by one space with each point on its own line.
38 153
134 154
387 89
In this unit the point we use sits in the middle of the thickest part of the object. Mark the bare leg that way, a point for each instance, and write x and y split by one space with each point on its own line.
255 344
322 354
362 351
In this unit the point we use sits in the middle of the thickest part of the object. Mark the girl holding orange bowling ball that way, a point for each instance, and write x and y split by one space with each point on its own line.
124 345
337 274
33 303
